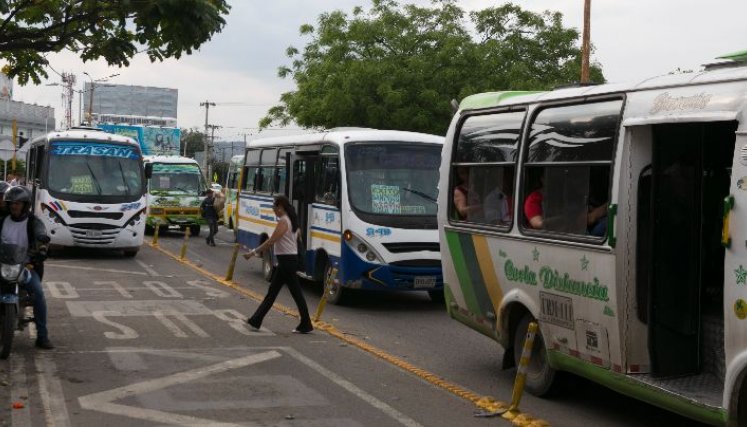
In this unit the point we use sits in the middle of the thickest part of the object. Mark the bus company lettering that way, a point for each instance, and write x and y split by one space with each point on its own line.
665 102
521 275
94 150
551 279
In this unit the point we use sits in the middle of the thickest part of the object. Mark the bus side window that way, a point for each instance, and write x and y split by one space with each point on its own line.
568 166
484 168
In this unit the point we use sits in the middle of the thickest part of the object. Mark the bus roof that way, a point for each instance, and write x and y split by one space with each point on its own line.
341 136
83 134
170 159
727 71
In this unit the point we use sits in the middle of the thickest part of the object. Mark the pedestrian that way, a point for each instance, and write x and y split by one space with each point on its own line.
284 241
207 208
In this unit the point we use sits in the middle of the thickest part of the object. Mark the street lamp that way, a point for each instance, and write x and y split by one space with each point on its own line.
90 101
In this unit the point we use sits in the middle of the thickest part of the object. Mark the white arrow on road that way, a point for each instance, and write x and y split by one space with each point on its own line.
102 401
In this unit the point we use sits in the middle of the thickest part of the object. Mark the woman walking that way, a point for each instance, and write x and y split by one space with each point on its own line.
284 243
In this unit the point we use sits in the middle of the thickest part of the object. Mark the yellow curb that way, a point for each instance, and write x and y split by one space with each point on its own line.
486 403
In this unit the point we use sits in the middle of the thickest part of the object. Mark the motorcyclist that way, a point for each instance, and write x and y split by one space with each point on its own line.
23 229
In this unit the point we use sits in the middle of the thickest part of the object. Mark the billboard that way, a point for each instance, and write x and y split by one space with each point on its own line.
153 140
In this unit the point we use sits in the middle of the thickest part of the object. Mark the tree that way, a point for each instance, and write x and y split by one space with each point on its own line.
194 140
398 67
112 30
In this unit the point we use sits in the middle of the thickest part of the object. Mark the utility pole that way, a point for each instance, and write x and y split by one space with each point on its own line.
212 144
207 104
585 43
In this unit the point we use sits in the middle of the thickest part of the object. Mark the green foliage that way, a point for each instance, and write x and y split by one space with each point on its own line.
194 140
112 30
399 66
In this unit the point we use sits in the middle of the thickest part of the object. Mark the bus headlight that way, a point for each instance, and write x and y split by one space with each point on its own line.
365 251
371 256
362 248
54 216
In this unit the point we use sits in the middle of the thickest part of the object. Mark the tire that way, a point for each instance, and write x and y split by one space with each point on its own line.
333 291
230 223
194 230
437 296
130 253
8 329
149 229
267 268
539 376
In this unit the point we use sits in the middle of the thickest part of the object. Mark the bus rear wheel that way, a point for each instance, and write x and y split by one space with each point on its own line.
539 375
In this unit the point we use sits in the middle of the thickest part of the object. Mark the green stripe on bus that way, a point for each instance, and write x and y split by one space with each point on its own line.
457 257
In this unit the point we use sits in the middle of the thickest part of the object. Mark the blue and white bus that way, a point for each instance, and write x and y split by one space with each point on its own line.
366 203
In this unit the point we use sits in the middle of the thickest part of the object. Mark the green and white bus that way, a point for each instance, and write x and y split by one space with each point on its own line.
621 229
175 190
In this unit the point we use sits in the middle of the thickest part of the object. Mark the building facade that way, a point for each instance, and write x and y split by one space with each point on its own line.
125 104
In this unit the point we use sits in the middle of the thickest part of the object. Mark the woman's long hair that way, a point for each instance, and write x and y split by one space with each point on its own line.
284 203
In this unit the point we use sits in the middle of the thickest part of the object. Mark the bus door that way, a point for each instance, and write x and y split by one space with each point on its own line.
690 178
302 190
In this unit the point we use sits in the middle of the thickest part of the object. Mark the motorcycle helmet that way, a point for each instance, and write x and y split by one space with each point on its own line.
18 194
4 186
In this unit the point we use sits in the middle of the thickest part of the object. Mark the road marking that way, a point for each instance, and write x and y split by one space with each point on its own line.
62 290
107 270
126 332
117 287
209 291
147 268
137 308
163 317
162 289
238 322
19 391
50 390
355 390
102 401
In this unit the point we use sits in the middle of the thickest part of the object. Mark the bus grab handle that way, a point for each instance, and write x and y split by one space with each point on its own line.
728 206
611 214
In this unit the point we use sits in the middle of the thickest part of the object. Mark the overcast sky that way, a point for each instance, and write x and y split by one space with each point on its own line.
633 40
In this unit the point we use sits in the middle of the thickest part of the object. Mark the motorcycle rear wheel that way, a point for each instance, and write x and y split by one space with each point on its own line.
8 329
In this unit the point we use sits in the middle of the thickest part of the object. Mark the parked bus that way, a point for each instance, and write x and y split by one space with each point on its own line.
175 190
624 235
366 202
231 190
89 189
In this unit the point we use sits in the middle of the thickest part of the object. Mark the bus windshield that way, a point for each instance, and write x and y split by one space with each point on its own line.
176 179
99 171
393 178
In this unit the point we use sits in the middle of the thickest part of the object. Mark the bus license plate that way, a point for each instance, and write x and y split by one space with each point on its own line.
425 282
93 233
556 309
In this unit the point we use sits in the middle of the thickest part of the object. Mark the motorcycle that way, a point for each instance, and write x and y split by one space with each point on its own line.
13 298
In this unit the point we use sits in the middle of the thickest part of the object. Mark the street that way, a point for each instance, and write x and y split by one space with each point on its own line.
152 341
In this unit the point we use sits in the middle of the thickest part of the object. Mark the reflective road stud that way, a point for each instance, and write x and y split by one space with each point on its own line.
184 245
323 301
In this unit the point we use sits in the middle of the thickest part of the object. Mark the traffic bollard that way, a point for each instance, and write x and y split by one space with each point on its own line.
183 252
521 372
232 264
323 301
155 233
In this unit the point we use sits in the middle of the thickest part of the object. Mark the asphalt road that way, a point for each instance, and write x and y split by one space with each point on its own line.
150 341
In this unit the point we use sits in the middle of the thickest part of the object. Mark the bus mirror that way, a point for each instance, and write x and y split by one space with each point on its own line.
148 170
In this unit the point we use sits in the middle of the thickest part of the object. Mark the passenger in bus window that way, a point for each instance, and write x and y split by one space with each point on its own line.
465 201
597 220
496 207
533 207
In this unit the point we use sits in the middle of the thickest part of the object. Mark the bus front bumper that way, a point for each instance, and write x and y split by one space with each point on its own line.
105 238
360 274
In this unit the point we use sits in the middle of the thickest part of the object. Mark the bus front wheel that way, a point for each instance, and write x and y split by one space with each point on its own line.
539 374
267 267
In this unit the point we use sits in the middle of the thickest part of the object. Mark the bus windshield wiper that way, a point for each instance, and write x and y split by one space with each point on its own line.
95 181
421 194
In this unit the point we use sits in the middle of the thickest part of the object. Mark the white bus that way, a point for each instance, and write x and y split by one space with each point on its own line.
89 189
366 202
231 190
176 188
625 235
